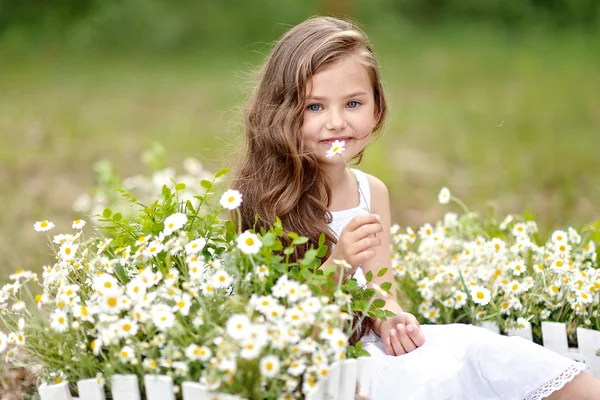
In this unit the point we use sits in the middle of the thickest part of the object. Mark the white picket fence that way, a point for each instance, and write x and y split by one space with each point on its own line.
340 384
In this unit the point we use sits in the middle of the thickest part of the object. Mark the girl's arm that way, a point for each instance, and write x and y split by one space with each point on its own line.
380 204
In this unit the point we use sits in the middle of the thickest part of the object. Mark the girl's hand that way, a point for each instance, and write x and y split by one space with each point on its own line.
357 241
401 334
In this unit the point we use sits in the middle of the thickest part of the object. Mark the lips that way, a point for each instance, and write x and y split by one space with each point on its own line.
341 139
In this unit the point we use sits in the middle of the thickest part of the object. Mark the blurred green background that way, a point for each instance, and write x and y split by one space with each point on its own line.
499 100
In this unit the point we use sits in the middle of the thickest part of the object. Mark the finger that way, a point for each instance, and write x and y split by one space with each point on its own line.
404 339
365 244
366 230
416 334
385 338
396 345
364 256
357 222
411 319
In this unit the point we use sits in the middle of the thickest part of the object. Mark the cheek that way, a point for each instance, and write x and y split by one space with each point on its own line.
310 128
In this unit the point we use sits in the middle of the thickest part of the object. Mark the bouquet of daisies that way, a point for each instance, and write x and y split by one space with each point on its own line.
176 289
469 269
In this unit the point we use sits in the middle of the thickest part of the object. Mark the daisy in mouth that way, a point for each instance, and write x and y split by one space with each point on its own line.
337 147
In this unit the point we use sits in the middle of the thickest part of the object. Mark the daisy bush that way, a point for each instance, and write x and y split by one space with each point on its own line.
466 268
176 289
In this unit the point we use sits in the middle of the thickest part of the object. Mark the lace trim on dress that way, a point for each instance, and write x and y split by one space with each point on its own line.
558 382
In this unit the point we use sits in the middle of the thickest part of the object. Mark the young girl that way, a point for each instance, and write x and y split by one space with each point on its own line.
319 84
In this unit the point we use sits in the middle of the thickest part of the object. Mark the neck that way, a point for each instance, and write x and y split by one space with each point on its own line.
337 174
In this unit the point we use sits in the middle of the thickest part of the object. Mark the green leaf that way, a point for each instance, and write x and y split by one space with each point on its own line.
293 236
387 286
190 207
221 172
180 186
382 272
268 239
322 251
205 184
288 251
117 217
378 303
300 240
166 191
322 241
369 276
107 213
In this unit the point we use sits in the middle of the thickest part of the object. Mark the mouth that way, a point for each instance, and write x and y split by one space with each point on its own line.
341 139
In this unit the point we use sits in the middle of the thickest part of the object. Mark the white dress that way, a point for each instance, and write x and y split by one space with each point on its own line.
457 361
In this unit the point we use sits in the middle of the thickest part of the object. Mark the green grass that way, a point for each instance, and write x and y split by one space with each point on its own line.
500 118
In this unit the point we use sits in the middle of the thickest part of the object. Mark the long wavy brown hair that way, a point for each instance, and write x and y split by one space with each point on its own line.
277 175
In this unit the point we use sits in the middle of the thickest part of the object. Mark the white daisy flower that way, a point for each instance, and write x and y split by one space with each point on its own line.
136 289
337 147
67 251
154 248
249 243
238 326
269 366
3 342
231 199
78 224
19 306
221 280
127 328
59 321
107 285
480 295
559 237
163 317
126 354
17 338
183 304
519 229
150 364
444 196
262 271
42 226
174 223
195 246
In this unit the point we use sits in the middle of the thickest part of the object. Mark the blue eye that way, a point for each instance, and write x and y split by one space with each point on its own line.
311 107
354 102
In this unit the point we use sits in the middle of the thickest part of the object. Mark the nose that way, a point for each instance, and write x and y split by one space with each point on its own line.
336 120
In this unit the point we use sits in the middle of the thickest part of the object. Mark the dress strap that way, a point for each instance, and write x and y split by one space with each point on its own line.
365 191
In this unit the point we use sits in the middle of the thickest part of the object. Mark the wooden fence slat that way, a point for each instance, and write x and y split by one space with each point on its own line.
194 391
348 378
59 391
90 389
554 336
159 387
525 333
125 387
318 392
589 344
333 380
197 391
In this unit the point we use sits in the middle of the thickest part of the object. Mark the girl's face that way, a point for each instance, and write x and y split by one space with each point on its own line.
340 105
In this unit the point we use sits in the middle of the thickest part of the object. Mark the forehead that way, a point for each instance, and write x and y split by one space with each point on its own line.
342 77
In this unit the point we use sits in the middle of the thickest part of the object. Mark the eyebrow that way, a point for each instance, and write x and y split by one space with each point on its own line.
348 96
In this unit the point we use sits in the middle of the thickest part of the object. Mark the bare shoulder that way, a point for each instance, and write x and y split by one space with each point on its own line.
379 193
